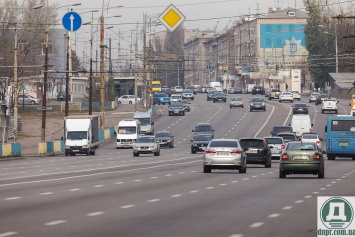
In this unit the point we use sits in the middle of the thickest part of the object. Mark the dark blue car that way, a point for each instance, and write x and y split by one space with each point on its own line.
161 98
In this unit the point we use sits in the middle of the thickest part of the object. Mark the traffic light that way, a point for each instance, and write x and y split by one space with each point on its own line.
277 67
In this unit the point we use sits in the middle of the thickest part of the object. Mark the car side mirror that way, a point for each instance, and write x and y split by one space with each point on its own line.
62 138
191 140
320 139
312 124
152 123
212 130
337 101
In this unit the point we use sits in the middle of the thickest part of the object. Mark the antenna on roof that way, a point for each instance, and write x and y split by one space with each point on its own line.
257 10
215 29
228 24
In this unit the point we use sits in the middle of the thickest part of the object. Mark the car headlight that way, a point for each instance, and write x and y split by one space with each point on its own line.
67 147
251 104
263 104
135 147
153 147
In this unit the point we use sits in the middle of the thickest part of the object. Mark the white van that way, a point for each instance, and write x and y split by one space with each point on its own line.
146 120
176 98
216 85
301 123
128 132
250 88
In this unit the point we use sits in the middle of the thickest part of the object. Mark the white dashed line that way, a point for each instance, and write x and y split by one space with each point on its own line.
236 235
315 192
299 201
257 224
334 182
210 188
308 196
254 176
154 200
271 172
245 178
222 184
7 234
127 206
137 180
95 214
49 193
99 186
274 215
167 175
194 191
322 188
74 189
287 207
176 195
328 185
153 177
119 183
181 172
11 198
338 179
234 181
56 222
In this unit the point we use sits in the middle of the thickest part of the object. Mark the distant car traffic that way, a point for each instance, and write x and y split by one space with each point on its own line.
301 158
287 136
320 98
257 103
203 128
296 95
224 154
192 88
274 94
62 96
28 100
235 91
128 99
236 102
178 89
313 97
161 98
286 96
257 150
210 95
300 108
279 129
165 138
312 137
146 144
187 94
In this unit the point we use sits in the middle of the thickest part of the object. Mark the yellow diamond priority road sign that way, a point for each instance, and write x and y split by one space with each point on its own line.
172 17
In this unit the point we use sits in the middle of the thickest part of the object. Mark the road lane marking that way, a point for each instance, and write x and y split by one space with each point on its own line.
334 182
49 193
137 180
55 222
299 201
267 120
323 188
119 183
308 196
254 176
99 186
234 181
7 234
194 191
210 188
236 235
222 184
154 200
274 215
74 189
11 198
176 195
257 224
167 175
245 178
287 207
328 185
127 206
315 192
95 213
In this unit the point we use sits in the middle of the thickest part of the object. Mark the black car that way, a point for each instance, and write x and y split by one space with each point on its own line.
257 150
300 109
200 142
258 90
210 95
320 97
62 96
203 128
238 91
176 108
193 89
219 96
287 136
281 129
164 138
257 103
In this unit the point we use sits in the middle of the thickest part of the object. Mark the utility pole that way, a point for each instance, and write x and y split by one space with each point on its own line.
67 79
102 76
15 88
130 55
70 71
44 90
136 71
145 83
90 77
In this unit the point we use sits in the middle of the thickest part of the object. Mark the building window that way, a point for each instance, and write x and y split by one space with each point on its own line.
50 48
23 48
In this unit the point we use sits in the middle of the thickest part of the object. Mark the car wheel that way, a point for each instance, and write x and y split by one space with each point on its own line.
230 107
130 102
156 153
282 175
251 110
321 174
331 157
322 111
66 153
206 169
309 101
193 151
32 102
159 103
268 165
243 106
135 154
269 98
264 109
280 101
336 111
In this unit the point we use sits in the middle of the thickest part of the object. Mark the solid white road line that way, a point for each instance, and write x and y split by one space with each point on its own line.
154 200
74 189
210 188
49 193
176 195
266 121
308 196
299 201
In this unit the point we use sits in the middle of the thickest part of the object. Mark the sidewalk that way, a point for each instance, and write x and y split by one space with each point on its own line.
32 126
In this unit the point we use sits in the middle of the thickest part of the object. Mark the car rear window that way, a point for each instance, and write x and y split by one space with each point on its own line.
274 140
223 144
236 99
309 136
287 136
203 129
300 106
257 100
301 146
277 130
252 143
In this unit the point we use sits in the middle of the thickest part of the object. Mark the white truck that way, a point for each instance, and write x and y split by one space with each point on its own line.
128 132
81 134
329 104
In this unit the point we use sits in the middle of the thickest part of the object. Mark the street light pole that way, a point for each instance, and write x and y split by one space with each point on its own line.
44 90
336 52
15 88
102 78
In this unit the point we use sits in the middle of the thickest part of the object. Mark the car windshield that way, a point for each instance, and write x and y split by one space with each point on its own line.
211 92
219 94
300 106
295 92
224 144
146 140
287 136
203 129
175 105
236 99
323 95
286 93
252 143
162 95
178 87
77 135
202 137
274 140
187 91
190 87
144 121
301 146
276 90
126 130
309 136
162 134
257 100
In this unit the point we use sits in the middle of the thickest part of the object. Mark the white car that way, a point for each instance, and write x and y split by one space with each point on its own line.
330 105
296 95
286 96
178 89
312 137
313 97
128 99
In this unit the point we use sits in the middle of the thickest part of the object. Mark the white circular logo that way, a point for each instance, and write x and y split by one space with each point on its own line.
336 213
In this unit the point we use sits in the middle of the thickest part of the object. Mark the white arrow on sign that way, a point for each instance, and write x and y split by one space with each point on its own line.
71 22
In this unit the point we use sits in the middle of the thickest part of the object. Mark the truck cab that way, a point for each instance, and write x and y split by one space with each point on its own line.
128 132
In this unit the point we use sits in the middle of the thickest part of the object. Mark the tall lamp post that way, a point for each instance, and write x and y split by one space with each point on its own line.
336 47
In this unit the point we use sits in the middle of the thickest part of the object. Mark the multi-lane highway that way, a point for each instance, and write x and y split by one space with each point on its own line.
116 194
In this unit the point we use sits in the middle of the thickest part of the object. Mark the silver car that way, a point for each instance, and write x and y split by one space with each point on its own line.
146 145
276 145
224 154
28 100
236 102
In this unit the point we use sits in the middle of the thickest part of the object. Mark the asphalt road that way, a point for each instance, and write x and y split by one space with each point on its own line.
116 194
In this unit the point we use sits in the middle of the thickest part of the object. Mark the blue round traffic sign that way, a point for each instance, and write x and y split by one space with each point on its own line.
71 21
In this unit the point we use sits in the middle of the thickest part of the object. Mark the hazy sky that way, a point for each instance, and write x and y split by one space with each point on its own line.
201 14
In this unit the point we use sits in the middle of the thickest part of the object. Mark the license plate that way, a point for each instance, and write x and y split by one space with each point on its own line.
301 158
220 99
252 151
222 153
343 144
176 111
202 148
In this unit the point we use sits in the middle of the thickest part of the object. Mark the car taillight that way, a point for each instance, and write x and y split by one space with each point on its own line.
234 152
316 156
210 151
284 156
318 142
283 146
